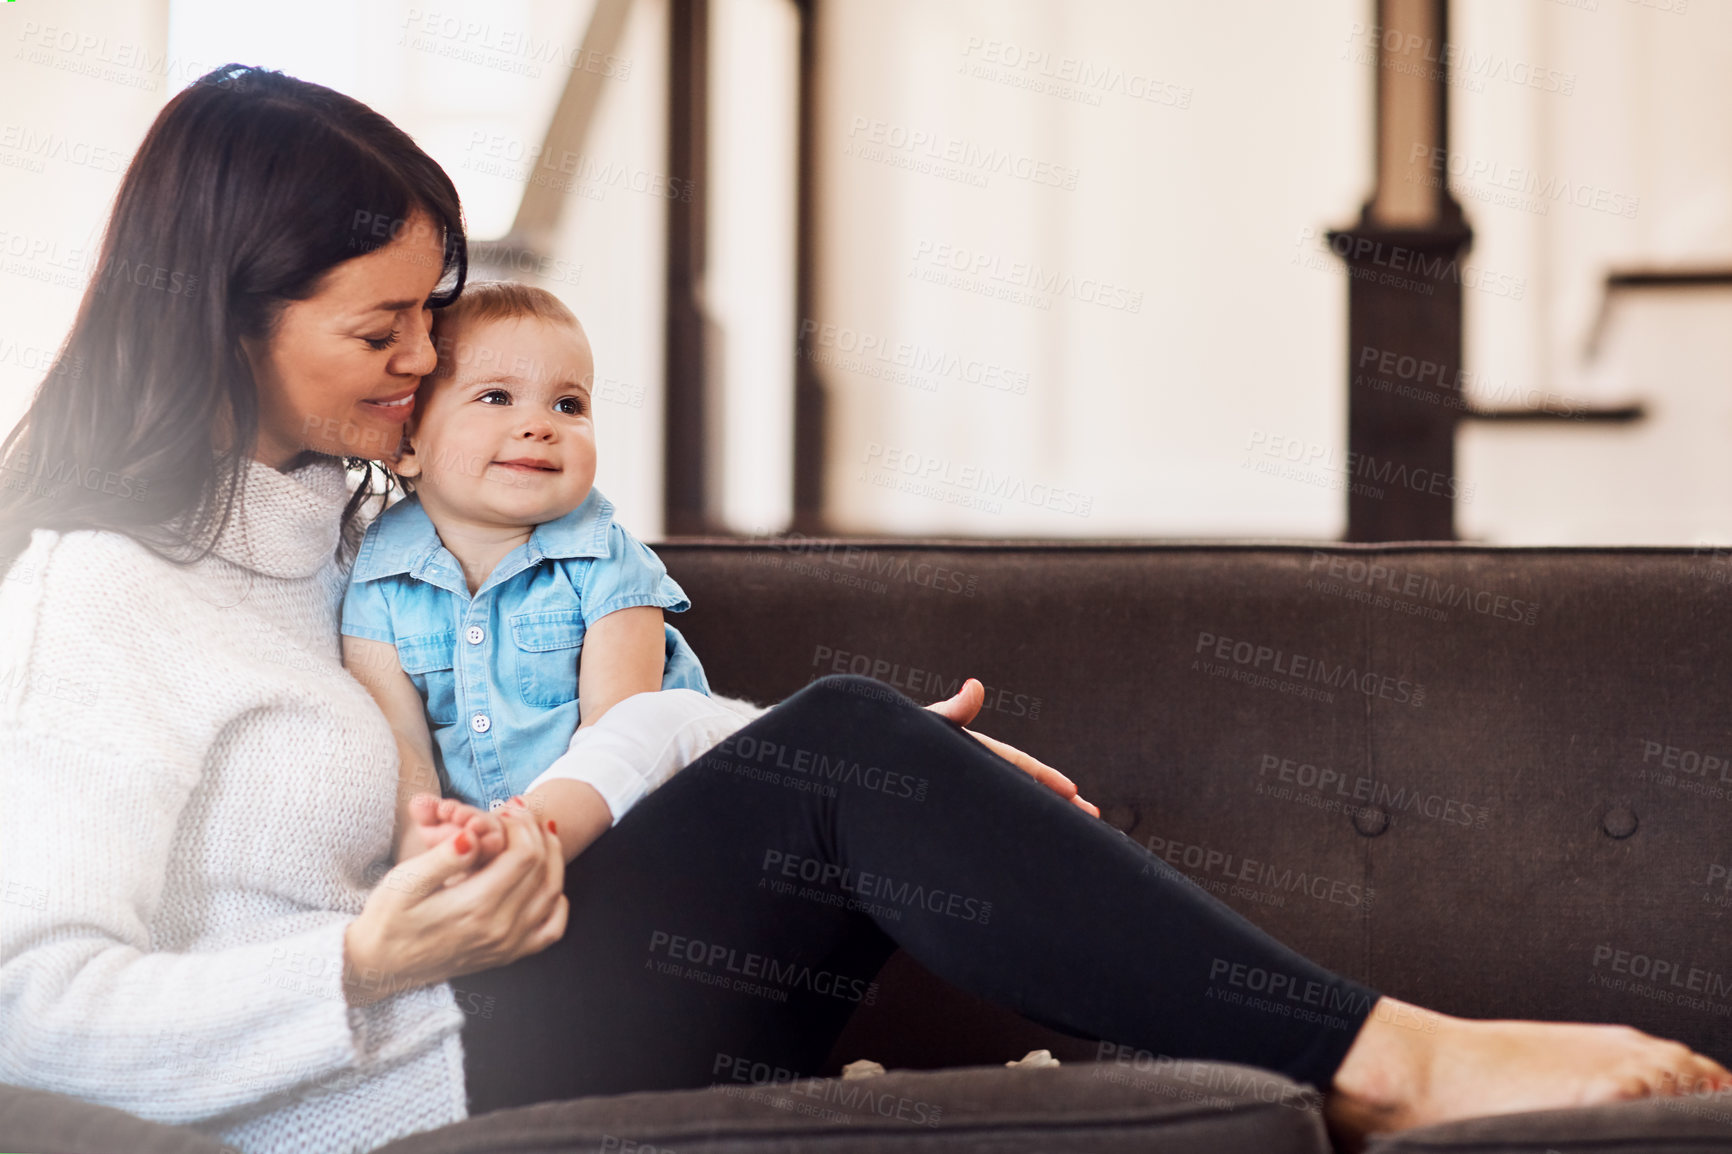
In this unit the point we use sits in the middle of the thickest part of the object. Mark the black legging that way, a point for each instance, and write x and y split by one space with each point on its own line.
740 913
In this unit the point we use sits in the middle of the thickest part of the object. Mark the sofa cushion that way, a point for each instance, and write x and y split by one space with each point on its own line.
1493 782
45 1123
1101 1108
1657 1126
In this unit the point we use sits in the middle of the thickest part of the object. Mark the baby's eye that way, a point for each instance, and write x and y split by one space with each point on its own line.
572 406
504 397
380 344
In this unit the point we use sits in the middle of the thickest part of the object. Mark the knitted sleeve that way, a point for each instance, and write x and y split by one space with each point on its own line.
98 756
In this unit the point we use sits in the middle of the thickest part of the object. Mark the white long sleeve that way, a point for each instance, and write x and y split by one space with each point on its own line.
197 799
90 1008
644 740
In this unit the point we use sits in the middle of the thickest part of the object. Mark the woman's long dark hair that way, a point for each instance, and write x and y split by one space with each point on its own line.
248 188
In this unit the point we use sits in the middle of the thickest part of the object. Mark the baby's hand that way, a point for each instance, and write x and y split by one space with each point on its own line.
437 819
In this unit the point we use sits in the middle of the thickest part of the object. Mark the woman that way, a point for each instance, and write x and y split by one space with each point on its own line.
199 800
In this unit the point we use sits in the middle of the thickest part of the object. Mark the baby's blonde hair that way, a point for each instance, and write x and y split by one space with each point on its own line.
494 300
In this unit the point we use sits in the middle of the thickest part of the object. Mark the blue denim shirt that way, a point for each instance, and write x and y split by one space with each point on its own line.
497 672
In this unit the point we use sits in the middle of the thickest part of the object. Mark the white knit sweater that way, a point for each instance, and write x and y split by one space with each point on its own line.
195 799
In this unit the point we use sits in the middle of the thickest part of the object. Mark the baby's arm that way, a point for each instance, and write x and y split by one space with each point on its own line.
614 764
423 818
623 654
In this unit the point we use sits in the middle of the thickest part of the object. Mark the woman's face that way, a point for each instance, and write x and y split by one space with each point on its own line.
339 374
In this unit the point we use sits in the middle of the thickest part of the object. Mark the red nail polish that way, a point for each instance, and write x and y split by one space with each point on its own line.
461 845
518 800
552 826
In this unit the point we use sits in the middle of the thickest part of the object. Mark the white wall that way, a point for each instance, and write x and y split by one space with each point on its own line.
1626 163
1199 207
80 85
749 282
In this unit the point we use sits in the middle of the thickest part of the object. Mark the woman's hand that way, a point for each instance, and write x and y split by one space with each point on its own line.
417 930
962 708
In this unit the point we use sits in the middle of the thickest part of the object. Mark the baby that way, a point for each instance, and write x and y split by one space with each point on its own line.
472 599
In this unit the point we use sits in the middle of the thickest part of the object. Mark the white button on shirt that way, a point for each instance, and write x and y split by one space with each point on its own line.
475 635
479 723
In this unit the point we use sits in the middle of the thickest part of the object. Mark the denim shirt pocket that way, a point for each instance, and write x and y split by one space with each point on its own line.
430 660
547 648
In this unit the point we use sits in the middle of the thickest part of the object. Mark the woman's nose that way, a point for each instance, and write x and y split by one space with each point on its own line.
417 358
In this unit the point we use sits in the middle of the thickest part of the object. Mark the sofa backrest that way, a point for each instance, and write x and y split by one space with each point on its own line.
1496 782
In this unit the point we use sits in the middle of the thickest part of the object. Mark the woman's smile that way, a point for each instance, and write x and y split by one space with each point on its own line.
398 406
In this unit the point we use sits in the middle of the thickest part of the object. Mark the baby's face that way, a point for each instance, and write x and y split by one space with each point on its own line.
505 436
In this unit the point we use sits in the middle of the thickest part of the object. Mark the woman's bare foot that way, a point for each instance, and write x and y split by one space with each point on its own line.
1413 1067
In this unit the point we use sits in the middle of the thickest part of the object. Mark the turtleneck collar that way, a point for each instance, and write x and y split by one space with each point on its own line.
286 524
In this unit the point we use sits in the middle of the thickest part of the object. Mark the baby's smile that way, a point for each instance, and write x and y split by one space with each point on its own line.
530 465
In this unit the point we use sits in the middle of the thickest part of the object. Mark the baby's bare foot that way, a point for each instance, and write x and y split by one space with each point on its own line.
1413 1067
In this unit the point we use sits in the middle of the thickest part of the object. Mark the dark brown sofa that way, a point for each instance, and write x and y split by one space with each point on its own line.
1490 781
